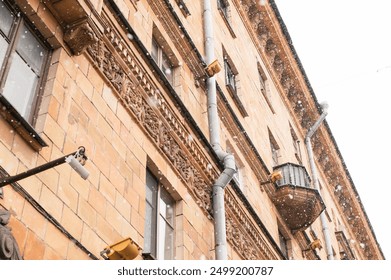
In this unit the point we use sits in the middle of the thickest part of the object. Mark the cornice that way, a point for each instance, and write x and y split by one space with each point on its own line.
270 37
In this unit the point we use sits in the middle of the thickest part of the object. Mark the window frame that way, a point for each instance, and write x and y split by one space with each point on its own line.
265 90
160 58
296 144
275 149
225 11
284 244
230 77
23 125
232 82
154 252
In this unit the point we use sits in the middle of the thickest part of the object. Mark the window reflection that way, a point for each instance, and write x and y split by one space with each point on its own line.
3 50
162 61
22 59
159 221
5 20
20 86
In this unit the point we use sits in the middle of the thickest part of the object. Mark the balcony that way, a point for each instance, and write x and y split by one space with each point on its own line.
298 204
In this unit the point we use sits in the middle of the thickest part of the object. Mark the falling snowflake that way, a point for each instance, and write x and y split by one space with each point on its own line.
262 2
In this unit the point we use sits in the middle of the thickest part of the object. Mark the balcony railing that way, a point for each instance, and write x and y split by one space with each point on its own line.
298 204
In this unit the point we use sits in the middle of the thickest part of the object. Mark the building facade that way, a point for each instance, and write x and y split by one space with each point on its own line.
134 83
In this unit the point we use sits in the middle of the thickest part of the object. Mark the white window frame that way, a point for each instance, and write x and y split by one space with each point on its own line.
162 60
156 237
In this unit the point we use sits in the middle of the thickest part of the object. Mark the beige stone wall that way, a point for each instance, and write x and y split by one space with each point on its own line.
82 107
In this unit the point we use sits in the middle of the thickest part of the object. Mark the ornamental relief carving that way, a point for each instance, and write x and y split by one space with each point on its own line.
148 107
144 112
79 37
9 249
249 242
236 237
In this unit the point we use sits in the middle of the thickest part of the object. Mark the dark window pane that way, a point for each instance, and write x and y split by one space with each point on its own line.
151 192
3 49
30 49
155 51
151 189
5 19
166 67
150 230
20 86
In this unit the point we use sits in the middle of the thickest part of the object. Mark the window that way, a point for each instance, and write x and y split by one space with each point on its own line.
296 144
159 221
224 8
283 244
162 61
225 11
229 76
285 241
22 59
274 148
232 83
264 87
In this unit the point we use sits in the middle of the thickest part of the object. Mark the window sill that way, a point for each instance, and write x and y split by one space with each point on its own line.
20 125
148 256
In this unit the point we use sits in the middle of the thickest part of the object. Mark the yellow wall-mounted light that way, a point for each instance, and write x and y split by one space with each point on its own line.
316 244
213 68
275 176
125 249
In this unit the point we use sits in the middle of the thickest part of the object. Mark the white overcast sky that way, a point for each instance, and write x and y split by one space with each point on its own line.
345 49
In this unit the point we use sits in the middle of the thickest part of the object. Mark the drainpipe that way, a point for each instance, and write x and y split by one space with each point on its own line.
214 136
323 219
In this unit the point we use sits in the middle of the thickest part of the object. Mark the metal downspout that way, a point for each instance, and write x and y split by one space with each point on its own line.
228 160
323 219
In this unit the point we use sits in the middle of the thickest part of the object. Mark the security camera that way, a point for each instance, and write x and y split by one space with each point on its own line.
76 165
